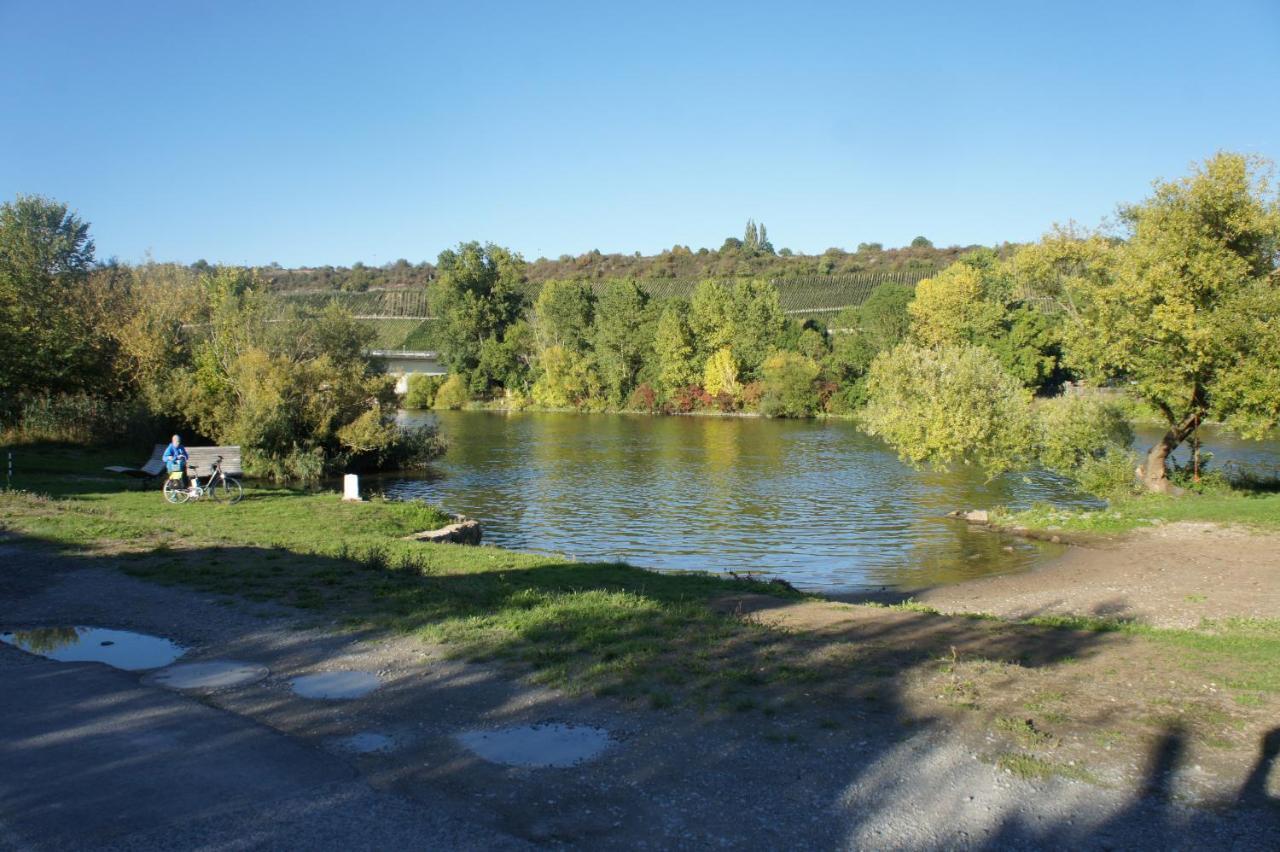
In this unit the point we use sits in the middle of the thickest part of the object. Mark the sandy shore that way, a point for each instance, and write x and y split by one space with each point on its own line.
1174 575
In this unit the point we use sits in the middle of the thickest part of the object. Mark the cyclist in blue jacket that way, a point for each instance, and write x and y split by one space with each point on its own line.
175 458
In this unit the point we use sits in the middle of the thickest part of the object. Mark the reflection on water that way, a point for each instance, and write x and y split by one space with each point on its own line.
120 649
819 503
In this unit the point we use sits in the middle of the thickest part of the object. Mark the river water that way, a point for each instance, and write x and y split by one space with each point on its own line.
817 502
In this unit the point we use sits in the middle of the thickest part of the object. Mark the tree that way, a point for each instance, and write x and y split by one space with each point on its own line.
947 405
452 394
568 379
564 312
756 322
973 302
48 342
1188 315
766 247
711 317
623 337
790 389
953 308
673 345
1088 440
720 375
476 297
922 242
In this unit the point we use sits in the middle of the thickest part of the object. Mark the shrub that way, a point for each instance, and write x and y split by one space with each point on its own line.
790 385
453 393
421 393
686 399
644 398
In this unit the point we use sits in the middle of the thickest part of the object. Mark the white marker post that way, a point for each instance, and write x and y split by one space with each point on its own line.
351 488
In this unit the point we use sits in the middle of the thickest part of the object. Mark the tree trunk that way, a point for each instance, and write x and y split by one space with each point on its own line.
1154 474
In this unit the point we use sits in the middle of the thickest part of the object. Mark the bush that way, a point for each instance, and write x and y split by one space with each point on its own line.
790 385
453 393
644 398
79 418
421 394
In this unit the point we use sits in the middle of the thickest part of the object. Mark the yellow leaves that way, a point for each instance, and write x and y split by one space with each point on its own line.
721 374
951 404
567 379
952 308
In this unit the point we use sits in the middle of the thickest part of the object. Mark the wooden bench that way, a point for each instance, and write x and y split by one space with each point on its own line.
200 460
154 466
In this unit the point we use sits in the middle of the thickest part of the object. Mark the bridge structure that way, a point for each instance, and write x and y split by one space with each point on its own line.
403 363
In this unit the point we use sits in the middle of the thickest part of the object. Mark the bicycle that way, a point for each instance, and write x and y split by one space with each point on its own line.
219 486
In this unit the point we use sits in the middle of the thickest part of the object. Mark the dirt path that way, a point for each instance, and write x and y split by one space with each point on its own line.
853 773
1174 575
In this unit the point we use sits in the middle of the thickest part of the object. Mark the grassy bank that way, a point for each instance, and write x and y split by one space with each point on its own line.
1256 509
1096 693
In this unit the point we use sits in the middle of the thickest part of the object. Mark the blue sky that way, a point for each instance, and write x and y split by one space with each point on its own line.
327 132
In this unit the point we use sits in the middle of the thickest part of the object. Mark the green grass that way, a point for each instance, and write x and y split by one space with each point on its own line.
603 628
1240 653
1259 510
1032 768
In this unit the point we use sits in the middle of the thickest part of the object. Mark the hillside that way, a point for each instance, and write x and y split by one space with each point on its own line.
735 258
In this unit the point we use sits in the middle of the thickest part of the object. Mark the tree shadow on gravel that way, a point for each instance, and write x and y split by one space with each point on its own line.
733 724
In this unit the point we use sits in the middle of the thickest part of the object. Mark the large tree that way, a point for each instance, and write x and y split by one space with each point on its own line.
45 259
677 362
624 334
563 314
477 296
1188 314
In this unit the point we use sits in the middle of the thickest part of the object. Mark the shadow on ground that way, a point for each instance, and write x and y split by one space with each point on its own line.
728 729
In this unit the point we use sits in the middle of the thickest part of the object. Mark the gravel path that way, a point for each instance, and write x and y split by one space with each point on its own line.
94 758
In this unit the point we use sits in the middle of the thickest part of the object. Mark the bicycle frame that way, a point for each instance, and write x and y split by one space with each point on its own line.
215 473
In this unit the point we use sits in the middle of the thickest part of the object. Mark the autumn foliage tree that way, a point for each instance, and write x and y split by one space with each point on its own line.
1188 312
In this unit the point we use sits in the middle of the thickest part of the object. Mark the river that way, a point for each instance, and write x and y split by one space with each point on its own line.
819 503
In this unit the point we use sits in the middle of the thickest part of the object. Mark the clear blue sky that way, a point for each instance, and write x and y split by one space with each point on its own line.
331 132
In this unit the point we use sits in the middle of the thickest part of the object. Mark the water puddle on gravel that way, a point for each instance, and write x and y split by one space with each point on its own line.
120 649
214 674
367 742
336 685
551 745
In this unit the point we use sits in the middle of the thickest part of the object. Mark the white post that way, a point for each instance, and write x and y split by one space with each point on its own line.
351 487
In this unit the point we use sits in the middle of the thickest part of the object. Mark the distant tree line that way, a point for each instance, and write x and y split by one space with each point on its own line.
751 256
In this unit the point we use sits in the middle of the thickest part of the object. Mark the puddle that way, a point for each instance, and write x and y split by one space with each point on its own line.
538 746
336 685
118 648
367 742
215 674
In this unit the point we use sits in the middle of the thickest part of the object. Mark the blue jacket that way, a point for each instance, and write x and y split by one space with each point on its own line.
175 457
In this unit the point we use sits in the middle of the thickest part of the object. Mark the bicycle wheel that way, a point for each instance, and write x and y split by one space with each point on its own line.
174 492
227 488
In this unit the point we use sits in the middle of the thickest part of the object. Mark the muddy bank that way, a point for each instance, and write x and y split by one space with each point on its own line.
1174 575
